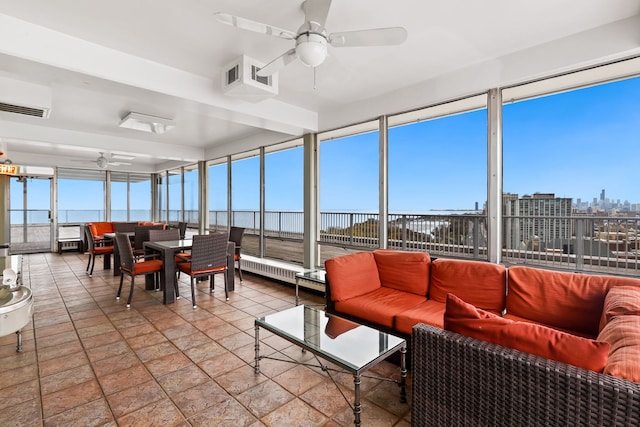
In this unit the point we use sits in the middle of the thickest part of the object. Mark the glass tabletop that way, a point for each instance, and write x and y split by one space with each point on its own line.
313 275
348 344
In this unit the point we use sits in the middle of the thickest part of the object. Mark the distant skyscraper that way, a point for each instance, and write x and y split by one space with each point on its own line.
602 195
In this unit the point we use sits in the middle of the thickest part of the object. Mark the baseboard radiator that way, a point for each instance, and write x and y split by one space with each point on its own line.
278 271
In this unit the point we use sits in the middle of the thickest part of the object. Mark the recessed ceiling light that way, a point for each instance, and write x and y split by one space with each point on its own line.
146 123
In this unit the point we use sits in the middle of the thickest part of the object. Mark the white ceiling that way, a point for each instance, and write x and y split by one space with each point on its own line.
98 60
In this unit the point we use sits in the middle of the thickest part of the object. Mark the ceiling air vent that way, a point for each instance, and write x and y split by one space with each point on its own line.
25 111
240 79
24 98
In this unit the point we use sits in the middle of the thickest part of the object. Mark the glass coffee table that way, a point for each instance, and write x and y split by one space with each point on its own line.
350 345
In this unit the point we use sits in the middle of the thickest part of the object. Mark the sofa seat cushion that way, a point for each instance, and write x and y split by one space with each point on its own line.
620 301
531 338
403 270
379 306
352 275
429 312
623 333
563 300
479 283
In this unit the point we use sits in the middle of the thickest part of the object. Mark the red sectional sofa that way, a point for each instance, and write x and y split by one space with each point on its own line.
492 345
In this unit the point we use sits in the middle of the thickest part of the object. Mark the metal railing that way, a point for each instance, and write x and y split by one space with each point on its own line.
576 243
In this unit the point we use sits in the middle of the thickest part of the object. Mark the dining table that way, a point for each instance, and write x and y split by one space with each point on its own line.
168 250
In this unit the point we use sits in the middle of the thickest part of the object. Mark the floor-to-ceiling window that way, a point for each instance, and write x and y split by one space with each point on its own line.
81 196
190 194
437 181
570 161
140 197
349 196
218 194
284 216
174 196
245 198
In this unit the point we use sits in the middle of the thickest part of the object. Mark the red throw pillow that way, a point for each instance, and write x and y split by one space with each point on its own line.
531 338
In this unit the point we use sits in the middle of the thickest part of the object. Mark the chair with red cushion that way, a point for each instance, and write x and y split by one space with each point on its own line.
129 265
208 258
95 249
235 236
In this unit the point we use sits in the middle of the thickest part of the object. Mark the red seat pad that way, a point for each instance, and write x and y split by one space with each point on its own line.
379 306
101 250
403 270
146 266
479 283
428 312
562 300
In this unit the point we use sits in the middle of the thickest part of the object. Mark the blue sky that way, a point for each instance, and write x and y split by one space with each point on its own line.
573 144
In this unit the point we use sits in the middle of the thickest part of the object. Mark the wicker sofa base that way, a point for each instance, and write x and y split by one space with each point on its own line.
462 381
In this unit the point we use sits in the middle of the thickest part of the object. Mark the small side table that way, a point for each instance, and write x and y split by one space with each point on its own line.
316 276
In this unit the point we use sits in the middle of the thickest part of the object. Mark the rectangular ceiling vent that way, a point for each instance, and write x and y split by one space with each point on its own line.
241 80
25 111
24 98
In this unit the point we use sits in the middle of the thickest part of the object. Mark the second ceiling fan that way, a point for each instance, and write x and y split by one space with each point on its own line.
312 37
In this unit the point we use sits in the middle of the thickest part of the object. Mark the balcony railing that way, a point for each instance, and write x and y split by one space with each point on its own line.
578 243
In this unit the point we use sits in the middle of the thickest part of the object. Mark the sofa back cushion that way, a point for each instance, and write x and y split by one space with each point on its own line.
568 301
620 301
352 275
404 271
479 283
468 320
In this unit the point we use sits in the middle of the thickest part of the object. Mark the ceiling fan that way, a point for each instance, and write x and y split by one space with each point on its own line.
312 37
103 161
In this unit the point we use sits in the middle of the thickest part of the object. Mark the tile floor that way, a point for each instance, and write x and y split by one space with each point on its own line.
89 361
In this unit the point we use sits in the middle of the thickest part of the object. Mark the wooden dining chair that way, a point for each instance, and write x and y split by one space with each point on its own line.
95 249
208 258
235 236
149 264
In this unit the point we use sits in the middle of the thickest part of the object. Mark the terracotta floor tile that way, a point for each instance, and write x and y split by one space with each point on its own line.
167 364
114 364
134 398
204 351
26 414
146 340
240 380
58 339
298 379
264 398
64 379
189 341
160 413
295 413
326 398
108 350
221 364
199 398
102 339
95 413
156 351
234 341
60 364
17 394
124 378
137 330
183 379
228 413
70 397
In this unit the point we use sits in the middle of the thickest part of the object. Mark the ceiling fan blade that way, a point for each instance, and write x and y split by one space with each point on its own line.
277 64
316 11
374 37
257 27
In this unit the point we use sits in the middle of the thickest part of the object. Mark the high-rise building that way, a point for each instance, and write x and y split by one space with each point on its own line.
540 217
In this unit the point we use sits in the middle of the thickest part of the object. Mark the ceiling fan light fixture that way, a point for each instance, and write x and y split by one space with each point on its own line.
102 162
311 49
146 123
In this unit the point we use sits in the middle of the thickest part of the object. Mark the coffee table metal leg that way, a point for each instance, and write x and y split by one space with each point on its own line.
297 285
403 375
357 409
257 348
